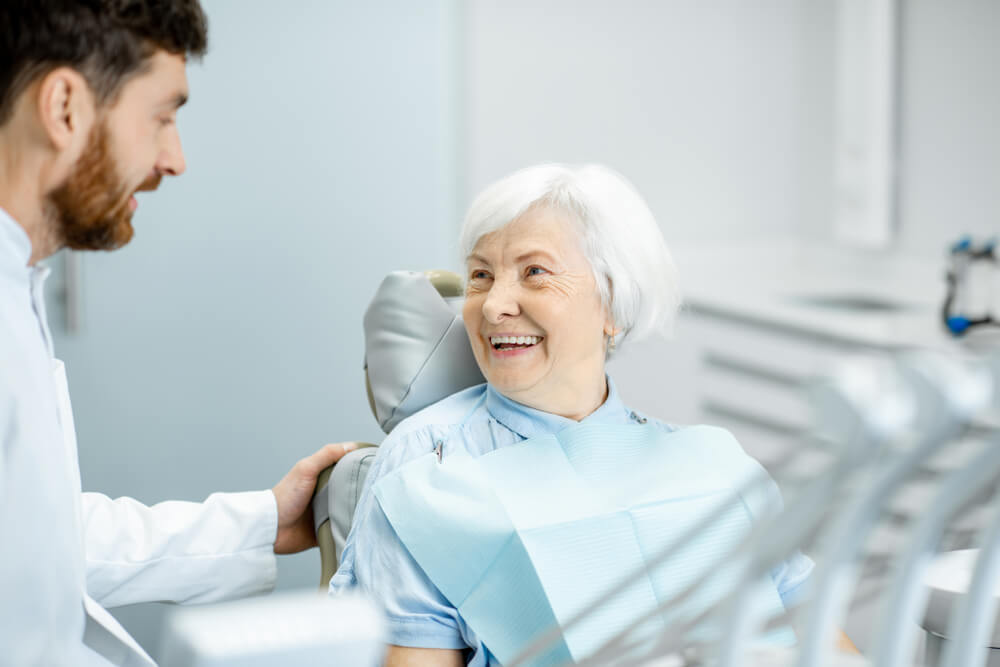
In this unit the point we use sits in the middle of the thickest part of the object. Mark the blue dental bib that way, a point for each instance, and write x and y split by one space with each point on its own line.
523 538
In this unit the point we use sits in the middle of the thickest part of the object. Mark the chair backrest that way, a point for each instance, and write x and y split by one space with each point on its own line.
416 353
416 348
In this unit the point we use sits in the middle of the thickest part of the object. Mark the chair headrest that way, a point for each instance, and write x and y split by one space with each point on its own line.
416 349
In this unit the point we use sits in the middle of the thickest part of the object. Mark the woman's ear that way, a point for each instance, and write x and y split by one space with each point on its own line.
611 331
66 108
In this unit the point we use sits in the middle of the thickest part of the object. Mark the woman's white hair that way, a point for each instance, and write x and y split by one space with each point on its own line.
634 271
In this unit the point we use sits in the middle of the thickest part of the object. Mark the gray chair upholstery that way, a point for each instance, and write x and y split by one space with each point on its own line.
416 348
416 353
336 498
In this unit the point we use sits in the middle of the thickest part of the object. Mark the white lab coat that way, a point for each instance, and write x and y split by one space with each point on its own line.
65 553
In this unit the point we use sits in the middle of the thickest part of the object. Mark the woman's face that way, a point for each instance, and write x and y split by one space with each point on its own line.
534 315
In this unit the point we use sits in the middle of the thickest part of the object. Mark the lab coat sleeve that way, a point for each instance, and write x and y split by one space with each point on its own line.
178 551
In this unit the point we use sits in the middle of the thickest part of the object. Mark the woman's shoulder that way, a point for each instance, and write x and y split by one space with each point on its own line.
419 433
449 411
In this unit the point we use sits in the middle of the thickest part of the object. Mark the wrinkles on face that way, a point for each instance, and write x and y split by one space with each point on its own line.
508 259
531 279
568 285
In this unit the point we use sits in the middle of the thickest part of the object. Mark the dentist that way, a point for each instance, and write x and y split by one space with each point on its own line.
89 94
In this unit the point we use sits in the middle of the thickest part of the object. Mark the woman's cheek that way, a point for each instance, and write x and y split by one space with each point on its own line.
471 307
564 290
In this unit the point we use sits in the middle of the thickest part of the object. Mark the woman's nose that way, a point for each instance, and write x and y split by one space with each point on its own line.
501 302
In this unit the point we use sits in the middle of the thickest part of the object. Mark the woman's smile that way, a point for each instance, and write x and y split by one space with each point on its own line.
506 346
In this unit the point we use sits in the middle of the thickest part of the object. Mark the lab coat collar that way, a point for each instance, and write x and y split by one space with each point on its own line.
529 422
38 276
15 246
15 253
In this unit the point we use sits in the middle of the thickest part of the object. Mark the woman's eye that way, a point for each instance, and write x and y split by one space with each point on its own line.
535 271
479 275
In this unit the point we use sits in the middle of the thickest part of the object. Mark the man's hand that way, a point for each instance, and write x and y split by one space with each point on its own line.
294 493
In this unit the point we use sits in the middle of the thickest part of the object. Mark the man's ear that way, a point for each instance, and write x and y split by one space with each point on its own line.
65 107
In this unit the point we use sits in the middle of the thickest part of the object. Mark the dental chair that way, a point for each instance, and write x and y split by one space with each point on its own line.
416 353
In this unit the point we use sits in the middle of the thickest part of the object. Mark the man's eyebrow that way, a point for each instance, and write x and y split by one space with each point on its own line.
175 102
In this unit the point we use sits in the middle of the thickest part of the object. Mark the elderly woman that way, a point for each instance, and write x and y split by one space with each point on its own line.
564 265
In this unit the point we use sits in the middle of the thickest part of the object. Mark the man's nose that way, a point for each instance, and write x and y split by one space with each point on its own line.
501 302
171 158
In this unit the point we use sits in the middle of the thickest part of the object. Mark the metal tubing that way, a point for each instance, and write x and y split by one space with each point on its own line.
969 631
907 594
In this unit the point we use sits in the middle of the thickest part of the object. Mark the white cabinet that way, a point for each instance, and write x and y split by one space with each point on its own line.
761 323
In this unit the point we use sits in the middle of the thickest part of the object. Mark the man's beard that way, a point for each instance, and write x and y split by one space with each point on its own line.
90 210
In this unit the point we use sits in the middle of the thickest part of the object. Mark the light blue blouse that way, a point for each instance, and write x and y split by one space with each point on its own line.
375 560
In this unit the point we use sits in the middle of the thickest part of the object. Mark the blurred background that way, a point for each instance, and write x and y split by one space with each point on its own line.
809 163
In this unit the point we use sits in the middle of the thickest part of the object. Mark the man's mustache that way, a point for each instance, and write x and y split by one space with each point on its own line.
150 183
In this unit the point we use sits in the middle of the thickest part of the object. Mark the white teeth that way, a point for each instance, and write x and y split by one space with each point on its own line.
514 340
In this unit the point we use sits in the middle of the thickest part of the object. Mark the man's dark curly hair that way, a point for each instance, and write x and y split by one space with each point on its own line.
107 41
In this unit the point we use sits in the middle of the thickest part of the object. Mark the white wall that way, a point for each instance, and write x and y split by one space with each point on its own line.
950 134
225 342
720 113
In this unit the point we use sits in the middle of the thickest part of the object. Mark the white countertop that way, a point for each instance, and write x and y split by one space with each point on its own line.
782 284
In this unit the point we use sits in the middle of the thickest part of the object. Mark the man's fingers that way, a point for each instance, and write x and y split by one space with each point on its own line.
292 494
327 456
